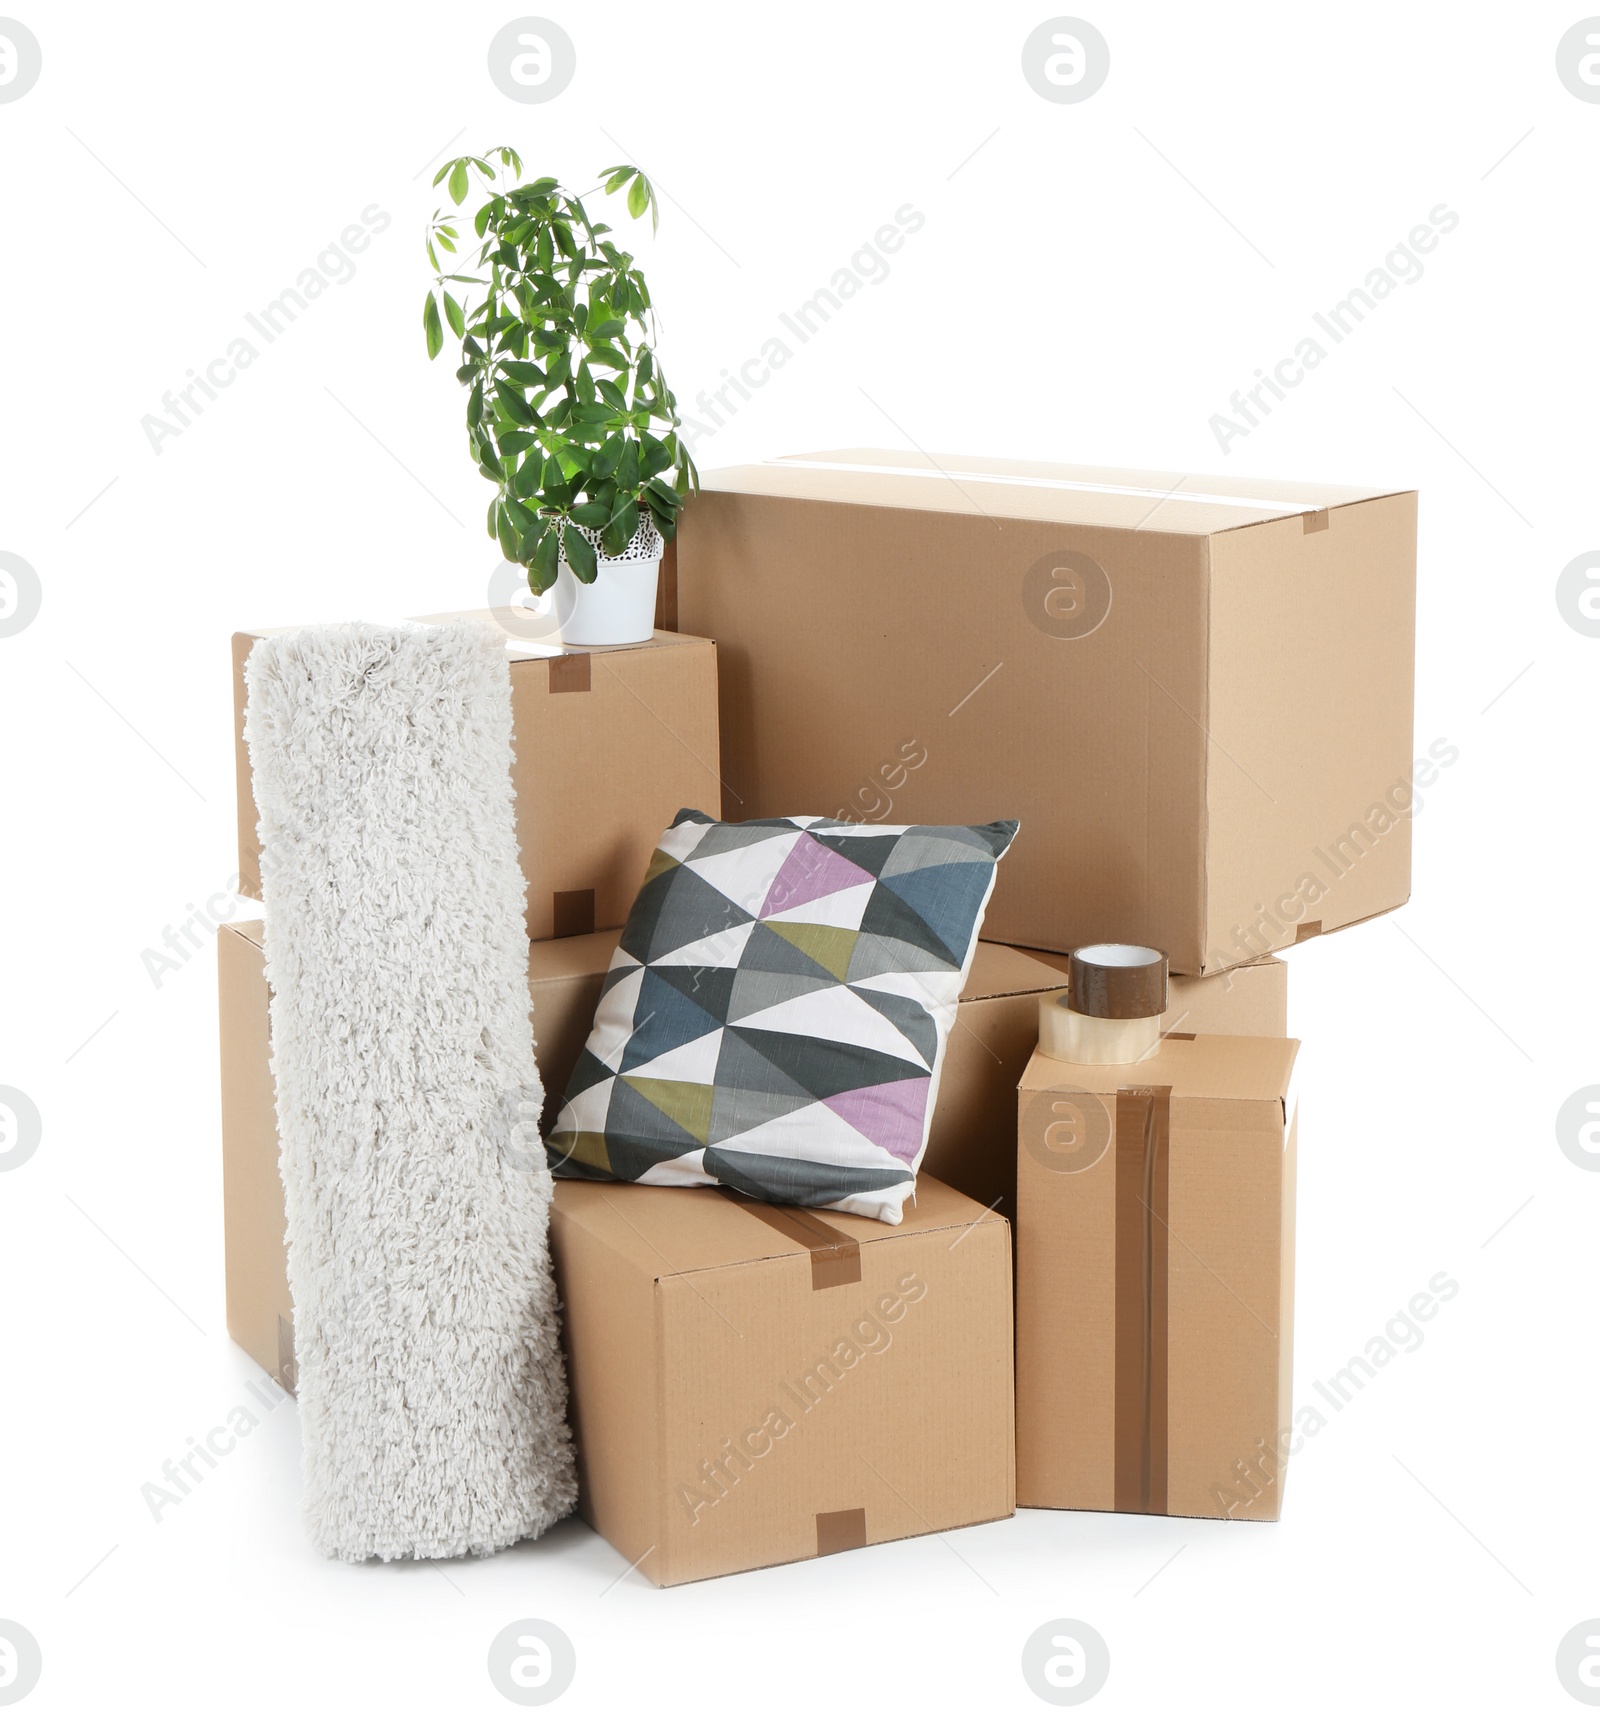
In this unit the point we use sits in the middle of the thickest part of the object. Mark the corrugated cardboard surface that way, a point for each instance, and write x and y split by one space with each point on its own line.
253 1223
882 655
564 978
1229 1273
731 1413
610 743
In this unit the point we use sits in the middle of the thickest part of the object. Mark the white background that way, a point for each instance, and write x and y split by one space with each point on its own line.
1090 286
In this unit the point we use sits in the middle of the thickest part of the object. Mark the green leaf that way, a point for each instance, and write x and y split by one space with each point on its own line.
458 181
638 195
579 555
664 493
607 355
506 532
513 403
622 527
628 468
457 318
484 217
520 371
546 560
515 442
525 520
442 172
590 514
653 456
430 327
475 406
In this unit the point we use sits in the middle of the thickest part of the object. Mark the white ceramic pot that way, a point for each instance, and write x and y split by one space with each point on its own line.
618 607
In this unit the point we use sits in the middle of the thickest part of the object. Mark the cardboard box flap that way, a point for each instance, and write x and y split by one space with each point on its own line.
1001 970
250 931
1186 504
676 1231
1216 1068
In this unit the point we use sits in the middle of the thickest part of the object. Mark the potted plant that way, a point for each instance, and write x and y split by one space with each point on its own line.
568 412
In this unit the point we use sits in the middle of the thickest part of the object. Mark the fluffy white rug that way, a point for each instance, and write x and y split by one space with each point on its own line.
432 1388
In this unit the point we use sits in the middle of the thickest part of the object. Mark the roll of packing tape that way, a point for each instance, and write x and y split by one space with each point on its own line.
1111 1012
1117 981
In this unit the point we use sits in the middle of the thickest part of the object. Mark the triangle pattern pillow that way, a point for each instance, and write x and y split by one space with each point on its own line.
776 1014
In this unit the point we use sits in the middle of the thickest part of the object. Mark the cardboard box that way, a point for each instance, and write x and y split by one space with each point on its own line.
972 1143
1155 1280
564 978
1195 693
751 1384
610 743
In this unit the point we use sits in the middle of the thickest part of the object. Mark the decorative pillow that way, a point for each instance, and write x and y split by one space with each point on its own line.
776 1013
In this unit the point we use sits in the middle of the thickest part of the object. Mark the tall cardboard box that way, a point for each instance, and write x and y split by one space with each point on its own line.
1195 693
1155 1280
751 1384
610 743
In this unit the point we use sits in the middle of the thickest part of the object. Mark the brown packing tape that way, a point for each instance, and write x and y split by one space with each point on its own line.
1306 931
1314 521
835 1257
569 674
840 1530
287 1376
1143 1134
572 913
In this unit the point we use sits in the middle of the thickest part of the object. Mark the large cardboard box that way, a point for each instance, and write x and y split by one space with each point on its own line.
972 1142
1155 1280
751 1384
610 743
564 979
1195 693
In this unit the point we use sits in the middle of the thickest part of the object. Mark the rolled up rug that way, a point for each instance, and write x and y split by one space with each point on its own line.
431 1384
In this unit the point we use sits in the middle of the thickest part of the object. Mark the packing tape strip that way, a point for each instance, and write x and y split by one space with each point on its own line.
840 1530
1041 482
1142 1151
835 1257
288 1376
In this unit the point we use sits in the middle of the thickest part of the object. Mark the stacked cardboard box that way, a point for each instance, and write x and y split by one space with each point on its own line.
1195 695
